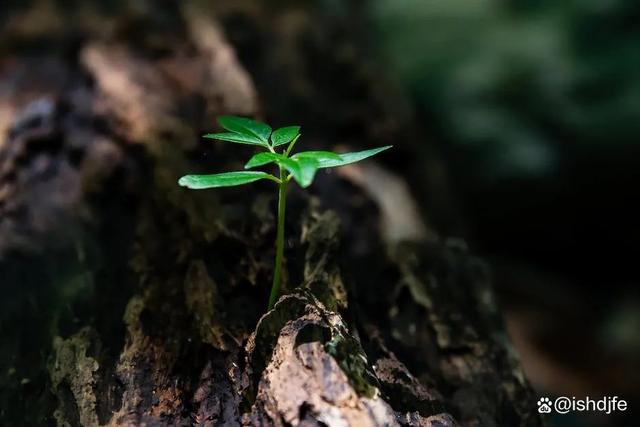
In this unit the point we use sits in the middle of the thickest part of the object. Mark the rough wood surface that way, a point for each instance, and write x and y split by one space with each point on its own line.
131 301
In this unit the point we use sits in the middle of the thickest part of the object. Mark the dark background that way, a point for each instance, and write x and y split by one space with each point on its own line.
535 105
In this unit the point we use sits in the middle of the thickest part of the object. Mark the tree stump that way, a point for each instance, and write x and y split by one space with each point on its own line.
129 300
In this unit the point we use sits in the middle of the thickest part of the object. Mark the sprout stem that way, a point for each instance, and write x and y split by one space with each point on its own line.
277 273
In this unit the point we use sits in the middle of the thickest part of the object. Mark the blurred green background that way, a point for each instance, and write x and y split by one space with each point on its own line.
535 105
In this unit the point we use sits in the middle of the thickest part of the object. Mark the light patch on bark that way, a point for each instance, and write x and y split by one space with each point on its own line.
73 368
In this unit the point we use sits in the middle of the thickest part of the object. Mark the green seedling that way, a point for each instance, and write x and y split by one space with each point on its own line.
278 146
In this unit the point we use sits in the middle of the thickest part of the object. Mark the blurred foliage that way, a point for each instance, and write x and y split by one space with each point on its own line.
511 80
536 106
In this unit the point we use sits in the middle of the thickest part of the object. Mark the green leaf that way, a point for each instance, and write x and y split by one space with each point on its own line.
227 179
261 159
318 155
247 127
303 169
235 137
348 158
284 135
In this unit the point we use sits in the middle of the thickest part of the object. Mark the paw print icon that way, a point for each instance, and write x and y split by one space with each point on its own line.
544 405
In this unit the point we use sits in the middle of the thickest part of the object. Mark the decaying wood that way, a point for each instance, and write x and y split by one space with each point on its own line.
156 313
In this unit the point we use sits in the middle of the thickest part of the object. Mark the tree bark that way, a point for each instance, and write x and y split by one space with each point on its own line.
129 300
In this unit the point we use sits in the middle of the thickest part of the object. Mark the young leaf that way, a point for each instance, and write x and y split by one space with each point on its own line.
235 137
348 158
227 179
261 159
318 155
284 135
247 127
303 169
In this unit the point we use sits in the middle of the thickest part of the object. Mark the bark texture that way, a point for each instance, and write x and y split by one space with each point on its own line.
132 301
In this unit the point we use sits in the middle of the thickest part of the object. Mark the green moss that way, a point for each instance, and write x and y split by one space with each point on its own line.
346 350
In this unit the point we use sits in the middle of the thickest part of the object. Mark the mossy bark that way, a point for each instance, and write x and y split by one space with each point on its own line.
131 301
